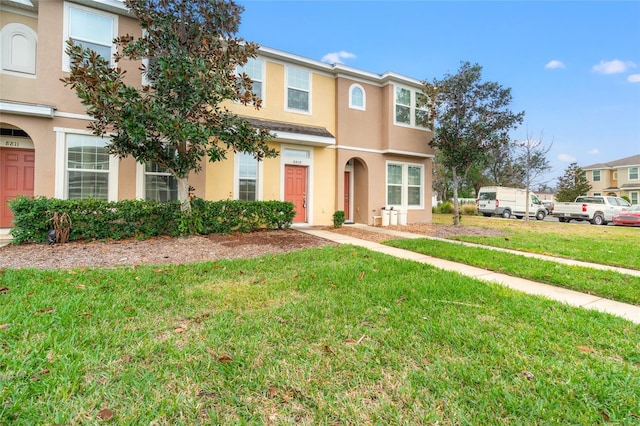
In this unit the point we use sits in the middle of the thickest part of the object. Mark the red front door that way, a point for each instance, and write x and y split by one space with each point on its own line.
347 195
16 178
295 190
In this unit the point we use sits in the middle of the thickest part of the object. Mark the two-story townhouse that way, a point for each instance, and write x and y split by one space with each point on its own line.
618 178
45 147
348 139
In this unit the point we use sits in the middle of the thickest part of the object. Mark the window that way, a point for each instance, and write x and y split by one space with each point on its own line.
159 184
247 176
635 199
254 68
357 97
596 175
411 108
404 185
633 173
18 49
615 175
91 28
298 89
88 165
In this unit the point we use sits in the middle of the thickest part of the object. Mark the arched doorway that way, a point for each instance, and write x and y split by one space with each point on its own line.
17 166
354 190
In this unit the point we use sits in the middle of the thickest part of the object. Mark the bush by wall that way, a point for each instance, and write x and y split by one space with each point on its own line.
338 218
101 220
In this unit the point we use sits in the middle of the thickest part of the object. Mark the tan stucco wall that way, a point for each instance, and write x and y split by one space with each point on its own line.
273 108
14 88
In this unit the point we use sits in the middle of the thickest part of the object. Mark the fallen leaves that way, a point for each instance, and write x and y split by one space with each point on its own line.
105 414
4 290
3 326
45 311
225 358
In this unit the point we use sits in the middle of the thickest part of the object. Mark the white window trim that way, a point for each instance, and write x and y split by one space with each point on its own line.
286 91
61 189
593 175
637 197
364 97
6 67
67 6
637 173
236 179
404 197
412 108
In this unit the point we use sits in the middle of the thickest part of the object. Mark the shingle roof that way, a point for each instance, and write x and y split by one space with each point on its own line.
280 126
634 160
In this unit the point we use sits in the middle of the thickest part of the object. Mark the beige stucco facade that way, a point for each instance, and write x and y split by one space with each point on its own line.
339 153
618 178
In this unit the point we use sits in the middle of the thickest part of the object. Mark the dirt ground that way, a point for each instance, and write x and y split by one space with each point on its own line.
195 248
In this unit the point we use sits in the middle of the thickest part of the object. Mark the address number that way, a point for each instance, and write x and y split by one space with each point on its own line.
297 161
12 143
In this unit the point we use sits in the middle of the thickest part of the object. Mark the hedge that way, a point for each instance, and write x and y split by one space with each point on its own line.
102 220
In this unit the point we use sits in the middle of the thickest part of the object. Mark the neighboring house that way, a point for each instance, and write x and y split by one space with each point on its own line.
348 139
618 178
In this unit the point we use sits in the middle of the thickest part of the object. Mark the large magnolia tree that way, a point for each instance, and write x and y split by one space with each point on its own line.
469 117
190 56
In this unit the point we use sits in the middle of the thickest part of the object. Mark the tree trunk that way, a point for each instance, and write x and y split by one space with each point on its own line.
526 213
456 204
183 194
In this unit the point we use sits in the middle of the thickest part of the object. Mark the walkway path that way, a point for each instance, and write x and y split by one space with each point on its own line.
625 310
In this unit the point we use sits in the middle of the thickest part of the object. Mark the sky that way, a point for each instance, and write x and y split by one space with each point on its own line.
573 66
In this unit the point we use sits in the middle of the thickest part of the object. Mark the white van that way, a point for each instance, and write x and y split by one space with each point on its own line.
507 202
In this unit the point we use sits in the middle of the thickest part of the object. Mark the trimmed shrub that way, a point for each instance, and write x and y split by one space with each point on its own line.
102 220
338 219
446 207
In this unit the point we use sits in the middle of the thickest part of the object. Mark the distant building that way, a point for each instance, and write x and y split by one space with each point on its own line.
617 178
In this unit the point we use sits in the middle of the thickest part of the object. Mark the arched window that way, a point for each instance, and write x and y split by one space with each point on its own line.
19 49
357 97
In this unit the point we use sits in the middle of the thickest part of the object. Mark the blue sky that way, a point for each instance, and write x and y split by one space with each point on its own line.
573 66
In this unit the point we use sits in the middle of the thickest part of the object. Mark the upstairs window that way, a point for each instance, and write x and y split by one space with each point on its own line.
633 173
411 108
357 98
92 29
254 69
596 175
19 49
298 89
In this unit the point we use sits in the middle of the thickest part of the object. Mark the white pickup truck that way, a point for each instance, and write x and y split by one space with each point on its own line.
596 209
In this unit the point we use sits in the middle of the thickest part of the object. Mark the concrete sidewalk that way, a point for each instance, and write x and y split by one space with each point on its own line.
624 310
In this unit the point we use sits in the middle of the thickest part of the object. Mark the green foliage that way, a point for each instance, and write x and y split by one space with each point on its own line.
101 220
626 198
572 184
445 208
470 117
178 118
338 218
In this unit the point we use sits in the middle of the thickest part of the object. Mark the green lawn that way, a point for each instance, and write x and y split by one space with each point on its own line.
338 335
608 245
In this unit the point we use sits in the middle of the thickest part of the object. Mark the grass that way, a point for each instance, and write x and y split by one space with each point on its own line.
324 336
608 284
608 245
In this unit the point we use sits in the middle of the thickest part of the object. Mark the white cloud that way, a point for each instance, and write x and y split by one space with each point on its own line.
566 158
613 67
594 151
634 78
336 57
554 64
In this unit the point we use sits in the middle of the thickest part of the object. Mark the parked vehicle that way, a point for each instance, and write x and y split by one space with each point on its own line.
548 205
628 217
506 202
599 210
